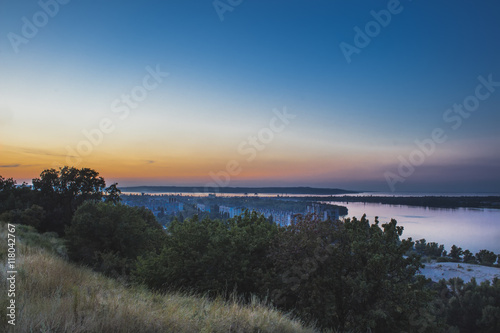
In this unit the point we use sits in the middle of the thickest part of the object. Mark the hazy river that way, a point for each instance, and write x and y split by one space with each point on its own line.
469 228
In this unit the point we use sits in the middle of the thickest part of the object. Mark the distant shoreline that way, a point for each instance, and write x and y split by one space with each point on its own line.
236 190
332 195
424 201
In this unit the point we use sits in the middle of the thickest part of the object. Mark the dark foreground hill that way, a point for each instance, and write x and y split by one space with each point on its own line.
54 295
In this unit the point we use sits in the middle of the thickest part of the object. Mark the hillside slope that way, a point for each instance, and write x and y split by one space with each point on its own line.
53 295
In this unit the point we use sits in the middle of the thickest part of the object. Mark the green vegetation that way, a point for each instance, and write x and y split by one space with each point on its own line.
350 275
57 296
57 192
432 249
211 256
109 237
486 257
469 307
437 252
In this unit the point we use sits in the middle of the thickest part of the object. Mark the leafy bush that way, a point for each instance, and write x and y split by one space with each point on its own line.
445 259
486 257
469 307
455 253
469 257
32 216
110 237
211 256
53 295
13 196
429 249
350 275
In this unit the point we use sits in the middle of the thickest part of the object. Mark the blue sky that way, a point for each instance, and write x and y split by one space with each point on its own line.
353 120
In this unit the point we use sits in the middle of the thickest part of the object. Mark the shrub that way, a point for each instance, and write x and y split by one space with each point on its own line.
53 295
469 257
32 216
110 237
445 259
211 256
455 253
469 307
485 257
350 275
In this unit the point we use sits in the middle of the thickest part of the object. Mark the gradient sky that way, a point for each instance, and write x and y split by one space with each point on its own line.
353 122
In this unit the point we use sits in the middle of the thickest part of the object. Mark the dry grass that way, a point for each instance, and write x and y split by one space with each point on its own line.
56 296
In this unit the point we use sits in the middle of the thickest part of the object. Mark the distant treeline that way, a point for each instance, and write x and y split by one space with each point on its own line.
426 201
456 254
235 190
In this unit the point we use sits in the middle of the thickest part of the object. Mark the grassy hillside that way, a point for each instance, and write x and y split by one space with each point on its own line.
53 295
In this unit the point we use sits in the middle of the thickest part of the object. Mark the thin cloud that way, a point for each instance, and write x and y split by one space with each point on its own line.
18 165
10 166
32 151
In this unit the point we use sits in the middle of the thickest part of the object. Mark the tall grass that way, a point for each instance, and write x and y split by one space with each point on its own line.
54 295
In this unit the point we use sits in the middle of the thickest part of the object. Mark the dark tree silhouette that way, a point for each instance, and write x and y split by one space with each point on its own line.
61 192
112 194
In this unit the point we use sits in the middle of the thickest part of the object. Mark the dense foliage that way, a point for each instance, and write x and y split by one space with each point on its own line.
429 249
110 237
350 275
57 192
211 256
60 192
470 307
15 197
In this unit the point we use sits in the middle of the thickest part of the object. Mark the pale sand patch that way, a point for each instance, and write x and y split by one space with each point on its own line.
447 270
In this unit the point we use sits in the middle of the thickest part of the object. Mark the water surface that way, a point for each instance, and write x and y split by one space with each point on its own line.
469 228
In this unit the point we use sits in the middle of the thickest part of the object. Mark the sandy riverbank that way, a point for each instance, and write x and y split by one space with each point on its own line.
447 270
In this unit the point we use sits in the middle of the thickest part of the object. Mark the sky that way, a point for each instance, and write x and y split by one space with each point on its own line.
362 95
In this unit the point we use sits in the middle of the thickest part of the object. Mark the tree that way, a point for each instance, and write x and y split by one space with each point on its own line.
6 184
469 307
428 249
455 253
61 192
485 257
469 257
350 275
420 246
434 250
211 256
112 194
110 237
13 196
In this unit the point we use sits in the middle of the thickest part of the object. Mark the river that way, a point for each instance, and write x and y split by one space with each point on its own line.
470 228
